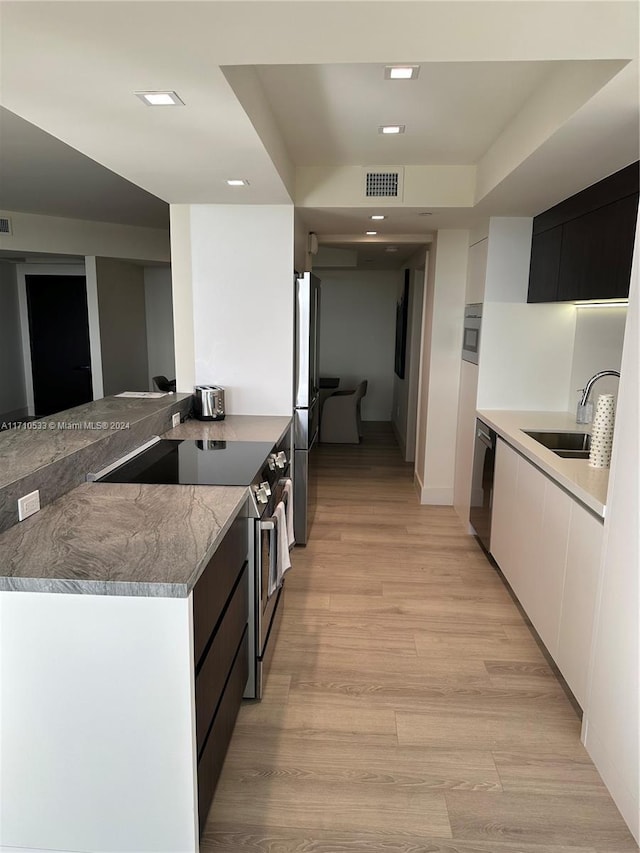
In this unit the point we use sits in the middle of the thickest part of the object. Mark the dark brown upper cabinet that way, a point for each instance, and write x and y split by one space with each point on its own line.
582 248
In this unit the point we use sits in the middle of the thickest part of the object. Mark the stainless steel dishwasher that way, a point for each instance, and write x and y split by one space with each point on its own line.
484 460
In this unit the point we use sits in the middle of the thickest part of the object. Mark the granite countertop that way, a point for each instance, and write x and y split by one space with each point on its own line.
120 539
588 485
38 443
234 428
127 538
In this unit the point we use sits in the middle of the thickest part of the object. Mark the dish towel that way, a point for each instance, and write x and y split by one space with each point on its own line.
283 562
288 504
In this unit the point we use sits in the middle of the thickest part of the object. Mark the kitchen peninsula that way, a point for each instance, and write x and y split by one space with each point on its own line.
97 627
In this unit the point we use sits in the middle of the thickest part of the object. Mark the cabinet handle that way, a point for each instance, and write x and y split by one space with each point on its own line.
484 438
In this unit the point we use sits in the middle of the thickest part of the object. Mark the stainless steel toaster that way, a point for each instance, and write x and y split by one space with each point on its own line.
208 403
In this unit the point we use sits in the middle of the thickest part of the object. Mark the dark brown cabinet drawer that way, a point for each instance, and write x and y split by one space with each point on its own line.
215 748
214 586
217 662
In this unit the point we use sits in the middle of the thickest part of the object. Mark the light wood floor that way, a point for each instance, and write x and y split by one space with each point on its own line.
409 709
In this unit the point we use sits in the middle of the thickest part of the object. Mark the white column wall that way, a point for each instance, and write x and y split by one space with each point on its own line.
182 296
241 260
440 378
611 723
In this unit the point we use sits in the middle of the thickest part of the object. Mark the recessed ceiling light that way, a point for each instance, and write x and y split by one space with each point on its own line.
391 128
237 182
377 216
401 72
160 99
371 233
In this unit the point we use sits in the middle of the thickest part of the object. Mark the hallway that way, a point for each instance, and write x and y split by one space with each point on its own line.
409 709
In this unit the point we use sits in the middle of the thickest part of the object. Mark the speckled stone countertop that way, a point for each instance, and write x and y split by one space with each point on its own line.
120 539
234 428
586 484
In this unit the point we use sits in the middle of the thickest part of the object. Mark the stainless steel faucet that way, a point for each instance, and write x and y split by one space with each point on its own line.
584 411
594 378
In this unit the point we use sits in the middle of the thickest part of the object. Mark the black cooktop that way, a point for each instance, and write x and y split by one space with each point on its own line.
186 462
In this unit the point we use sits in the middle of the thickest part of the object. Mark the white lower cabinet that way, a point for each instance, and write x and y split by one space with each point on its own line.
579 599
548 548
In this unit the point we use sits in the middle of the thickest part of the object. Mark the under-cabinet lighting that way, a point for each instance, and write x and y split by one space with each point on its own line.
388 129
160 99
401 72
603 303
237 182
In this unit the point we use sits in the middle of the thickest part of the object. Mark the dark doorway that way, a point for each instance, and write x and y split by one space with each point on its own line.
59 333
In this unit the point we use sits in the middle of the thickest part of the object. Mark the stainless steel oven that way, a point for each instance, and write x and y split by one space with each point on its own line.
268 589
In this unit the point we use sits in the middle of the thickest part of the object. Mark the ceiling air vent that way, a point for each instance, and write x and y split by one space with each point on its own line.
5 225
383 183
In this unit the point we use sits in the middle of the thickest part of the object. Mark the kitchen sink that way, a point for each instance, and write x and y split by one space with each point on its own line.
569 445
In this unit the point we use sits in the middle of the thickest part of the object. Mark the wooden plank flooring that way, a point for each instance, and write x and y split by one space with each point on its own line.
409 709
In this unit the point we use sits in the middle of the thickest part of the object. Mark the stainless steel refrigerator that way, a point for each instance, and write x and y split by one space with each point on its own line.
306 394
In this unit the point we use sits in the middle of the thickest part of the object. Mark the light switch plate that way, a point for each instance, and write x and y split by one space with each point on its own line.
28 505
175 419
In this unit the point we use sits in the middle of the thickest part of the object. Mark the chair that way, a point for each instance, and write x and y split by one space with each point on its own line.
341 422
164 384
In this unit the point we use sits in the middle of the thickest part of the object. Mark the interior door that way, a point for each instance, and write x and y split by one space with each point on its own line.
59 341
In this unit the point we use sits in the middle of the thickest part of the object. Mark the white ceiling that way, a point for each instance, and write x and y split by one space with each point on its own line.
536 100
453 111
40 174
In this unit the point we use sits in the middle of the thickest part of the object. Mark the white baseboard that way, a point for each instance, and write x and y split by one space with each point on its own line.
623 797
432 497
436 497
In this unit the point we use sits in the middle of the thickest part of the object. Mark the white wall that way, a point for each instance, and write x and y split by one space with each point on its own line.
123 335
611 725
526 350
13 395
598 346
57 235
159 321
525 356
440 372
241 264
357 333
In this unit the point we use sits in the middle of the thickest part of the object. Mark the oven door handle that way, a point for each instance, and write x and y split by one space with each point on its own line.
270 525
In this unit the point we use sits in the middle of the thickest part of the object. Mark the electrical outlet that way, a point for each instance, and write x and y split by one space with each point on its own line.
28 505
175 419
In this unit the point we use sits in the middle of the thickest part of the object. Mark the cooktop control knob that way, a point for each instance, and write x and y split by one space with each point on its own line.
267 488
281 459
271 461
261 495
